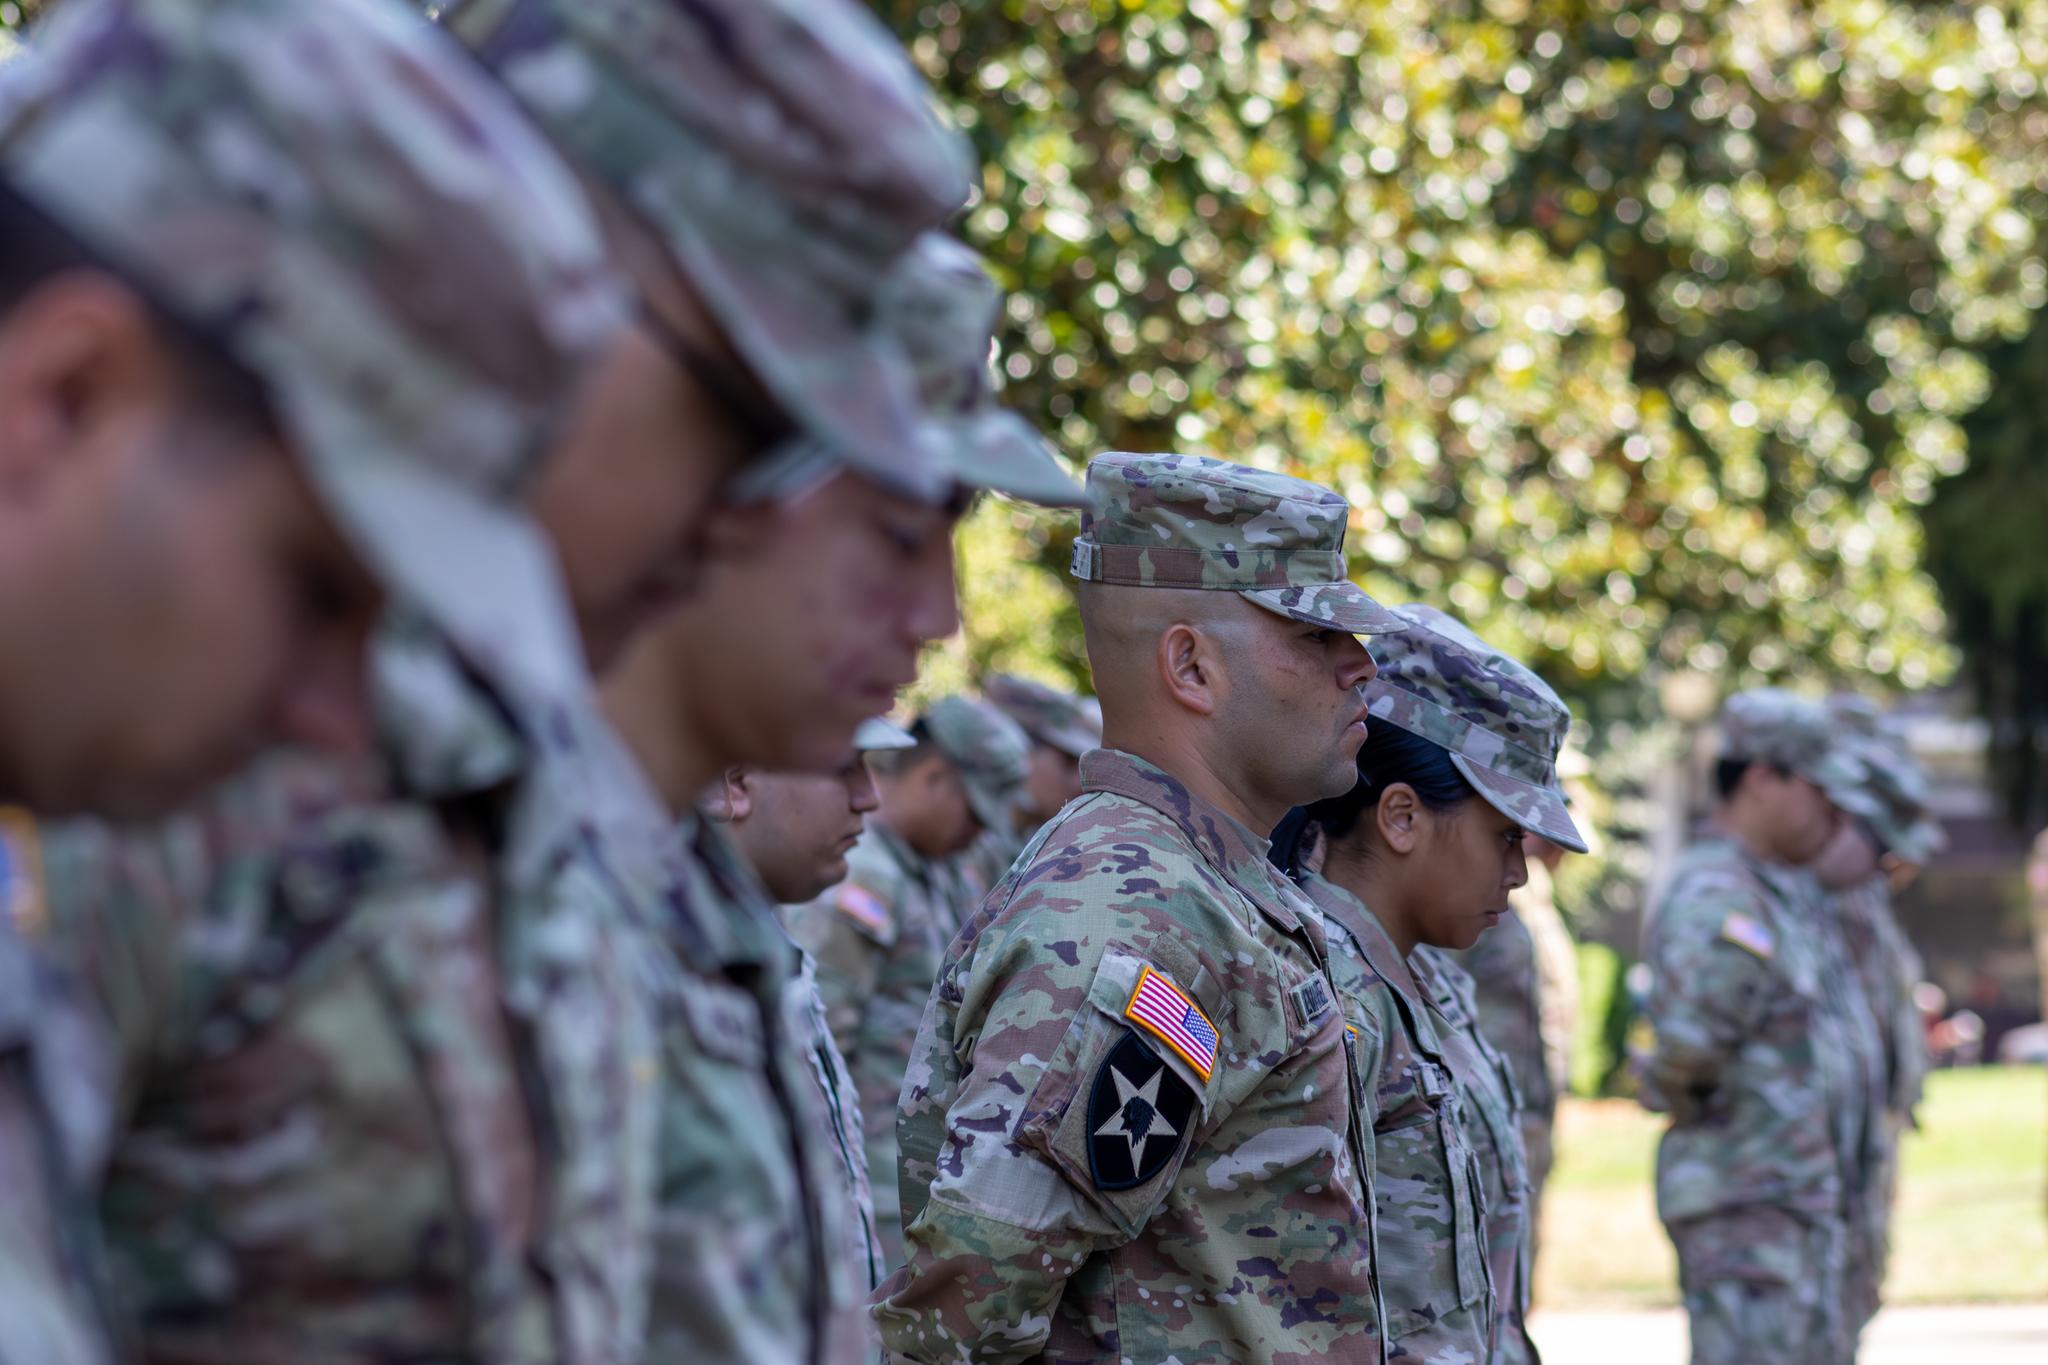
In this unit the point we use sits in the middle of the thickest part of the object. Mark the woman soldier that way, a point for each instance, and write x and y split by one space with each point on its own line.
1405 863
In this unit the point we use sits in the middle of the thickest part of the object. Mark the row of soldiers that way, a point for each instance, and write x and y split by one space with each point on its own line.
1788 1051
368 387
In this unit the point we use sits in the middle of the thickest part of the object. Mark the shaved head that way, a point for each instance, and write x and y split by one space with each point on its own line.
1268 709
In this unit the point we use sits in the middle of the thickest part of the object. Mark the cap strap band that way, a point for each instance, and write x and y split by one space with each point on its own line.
1456 733
1142 566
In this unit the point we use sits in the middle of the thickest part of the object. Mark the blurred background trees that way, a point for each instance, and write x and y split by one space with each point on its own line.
1643 335
1668 343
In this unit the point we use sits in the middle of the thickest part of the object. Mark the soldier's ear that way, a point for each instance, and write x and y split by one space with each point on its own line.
1189 667
78 356
1398 817
729 798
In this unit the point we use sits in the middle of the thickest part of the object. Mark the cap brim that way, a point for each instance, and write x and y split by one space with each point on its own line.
876 734
480 569
849 386
1340 606
1843 785
1537 809
998 451
1071 740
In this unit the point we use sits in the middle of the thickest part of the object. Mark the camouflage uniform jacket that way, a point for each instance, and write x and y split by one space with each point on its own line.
382 1096
760 1248
1889 968
1431 1215
1492 1104
1214 1206
1524 976
1752 1058
878 938
841 1100
54 1067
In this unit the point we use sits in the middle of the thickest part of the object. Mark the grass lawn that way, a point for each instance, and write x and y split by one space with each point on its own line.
1972 1221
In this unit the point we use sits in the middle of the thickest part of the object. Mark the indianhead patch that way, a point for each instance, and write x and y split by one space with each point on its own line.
1140 1112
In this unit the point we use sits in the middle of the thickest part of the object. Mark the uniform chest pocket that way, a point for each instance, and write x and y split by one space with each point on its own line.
1432 1250
711 1018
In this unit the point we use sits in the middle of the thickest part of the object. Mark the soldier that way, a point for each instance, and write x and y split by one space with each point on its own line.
1062 727
748 1263
1524 974
1756 1056
879 935
1868 858
475 1166
795 830
1410 864
245 380
1126 1131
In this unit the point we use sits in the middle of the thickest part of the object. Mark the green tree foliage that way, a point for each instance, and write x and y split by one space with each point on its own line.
1985 547
1638 333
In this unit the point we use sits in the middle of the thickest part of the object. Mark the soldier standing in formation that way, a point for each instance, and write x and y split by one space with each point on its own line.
1127 1128
1765 1049
879 935
486 1045
1871 857
243 381
1404 864
1524 975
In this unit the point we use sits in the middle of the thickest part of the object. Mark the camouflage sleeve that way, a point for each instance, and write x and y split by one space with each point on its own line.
1710 957
1014 1210
52 1127
849 931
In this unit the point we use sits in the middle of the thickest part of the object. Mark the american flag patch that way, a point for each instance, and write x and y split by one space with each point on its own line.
1165 1011
863 907
1744 932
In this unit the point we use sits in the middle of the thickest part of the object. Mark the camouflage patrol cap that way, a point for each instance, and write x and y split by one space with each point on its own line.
989 751
333 196
878 733
1773 726
1188 521
1062 720
1892 779
1501 724
786 154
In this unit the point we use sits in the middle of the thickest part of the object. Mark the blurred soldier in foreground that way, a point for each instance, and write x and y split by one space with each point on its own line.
879 935
1871 857
1761 1053
259 349
1411 864
454 998
1525 982
1127 1128
795 830
756 1257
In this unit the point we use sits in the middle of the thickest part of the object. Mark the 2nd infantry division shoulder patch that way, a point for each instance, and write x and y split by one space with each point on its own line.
1140 1112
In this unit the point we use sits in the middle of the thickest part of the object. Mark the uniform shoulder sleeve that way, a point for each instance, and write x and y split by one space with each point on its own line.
1711 948
1090 1026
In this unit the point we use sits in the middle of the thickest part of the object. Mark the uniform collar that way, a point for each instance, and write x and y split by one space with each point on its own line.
1371 936
1233 850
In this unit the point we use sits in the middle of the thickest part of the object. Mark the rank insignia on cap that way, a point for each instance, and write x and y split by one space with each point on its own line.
1744 932
1165 1011
863 907
1140 1113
